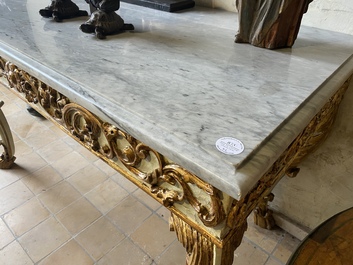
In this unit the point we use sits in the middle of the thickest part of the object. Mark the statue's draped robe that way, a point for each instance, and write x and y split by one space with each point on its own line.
270 23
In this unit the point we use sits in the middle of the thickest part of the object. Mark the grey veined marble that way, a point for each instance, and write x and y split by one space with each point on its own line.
179 83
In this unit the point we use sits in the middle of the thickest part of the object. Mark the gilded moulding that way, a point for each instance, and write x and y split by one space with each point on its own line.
164 180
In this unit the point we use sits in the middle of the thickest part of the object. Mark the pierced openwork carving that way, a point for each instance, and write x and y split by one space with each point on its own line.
166 181
34 90
315 132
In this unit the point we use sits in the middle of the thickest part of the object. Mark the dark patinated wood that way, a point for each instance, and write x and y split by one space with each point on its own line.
270 24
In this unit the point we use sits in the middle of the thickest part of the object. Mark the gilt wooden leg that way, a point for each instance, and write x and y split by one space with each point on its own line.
7 158
200 250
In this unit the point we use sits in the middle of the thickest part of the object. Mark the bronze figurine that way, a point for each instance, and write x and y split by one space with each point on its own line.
62 9
104 21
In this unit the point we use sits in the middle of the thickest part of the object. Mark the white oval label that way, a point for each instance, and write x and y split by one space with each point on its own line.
230 146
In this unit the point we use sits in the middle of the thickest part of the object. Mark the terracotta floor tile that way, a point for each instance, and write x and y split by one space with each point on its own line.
14 254
174 255
71 142
59 196
70 164
106 195
87 178
164 213
286 247
119 255
42 179
26 164
60 134
69 254
86 154
100 238
104 167
153 236
7 179
78 216
55 151
10 108
249 254
39 140
124 182
13 196
26 216
6 237
144 198
124 215
43 239
15 137
24 124
266 239
273 261
22 148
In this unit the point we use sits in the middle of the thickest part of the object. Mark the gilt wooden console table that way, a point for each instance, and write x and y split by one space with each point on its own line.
153 103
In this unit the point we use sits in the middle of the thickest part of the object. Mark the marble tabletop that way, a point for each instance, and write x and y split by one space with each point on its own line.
178 82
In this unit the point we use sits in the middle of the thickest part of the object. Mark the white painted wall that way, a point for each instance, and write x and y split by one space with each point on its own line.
336 15
220 4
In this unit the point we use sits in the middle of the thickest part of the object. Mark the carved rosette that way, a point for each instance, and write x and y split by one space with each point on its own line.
166 181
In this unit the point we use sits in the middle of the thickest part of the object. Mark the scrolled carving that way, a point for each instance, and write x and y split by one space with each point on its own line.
33 89
52 101
167 181
82 124
175 174
22 82
153 169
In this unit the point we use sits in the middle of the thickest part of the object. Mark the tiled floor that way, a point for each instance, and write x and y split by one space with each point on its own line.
59 204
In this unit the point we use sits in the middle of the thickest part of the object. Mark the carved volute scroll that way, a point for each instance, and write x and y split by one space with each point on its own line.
164 180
